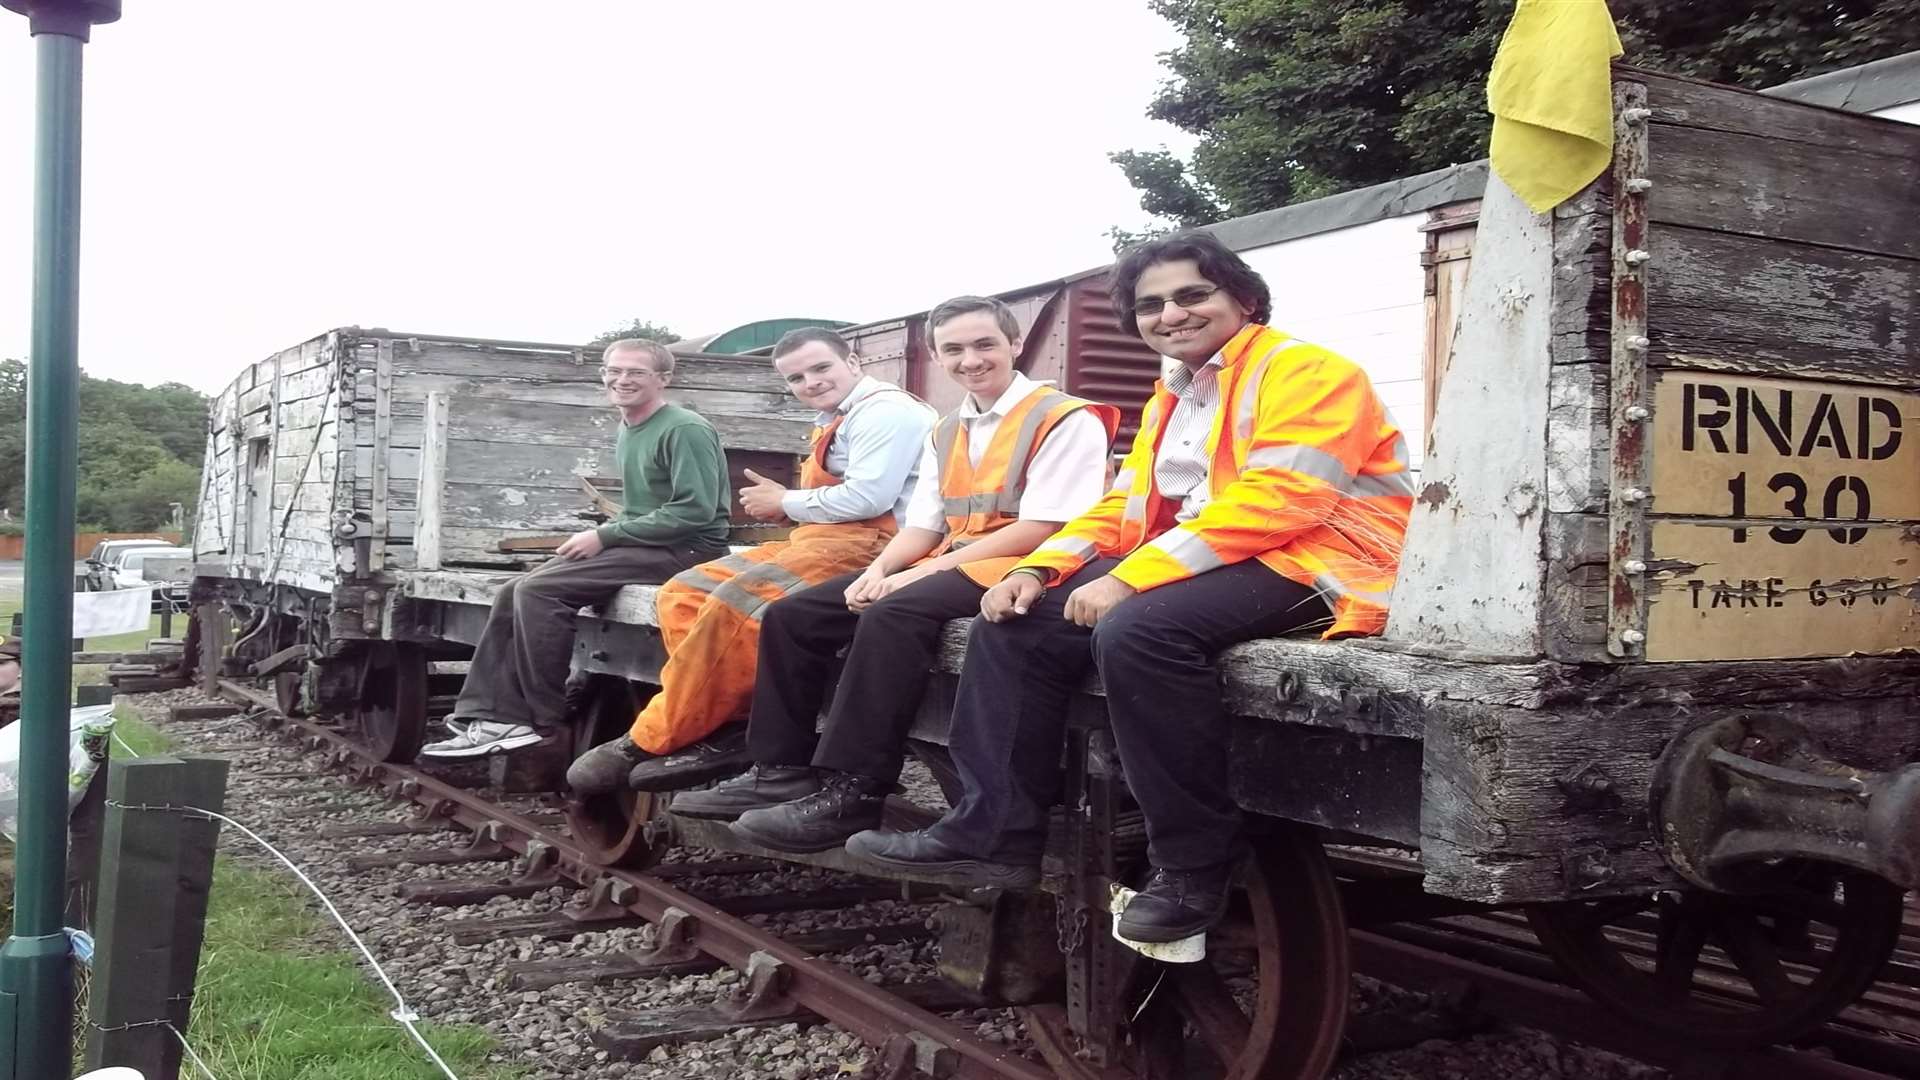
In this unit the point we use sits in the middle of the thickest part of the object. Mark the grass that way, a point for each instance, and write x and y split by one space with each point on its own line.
280 996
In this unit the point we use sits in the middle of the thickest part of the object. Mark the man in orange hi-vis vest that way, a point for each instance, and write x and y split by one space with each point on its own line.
1003 471
1266 491
853 490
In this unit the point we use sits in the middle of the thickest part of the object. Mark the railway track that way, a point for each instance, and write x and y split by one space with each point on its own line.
698 927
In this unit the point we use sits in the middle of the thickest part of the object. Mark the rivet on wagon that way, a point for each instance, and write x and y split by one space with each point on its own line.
1634 566
1636 115
1634 495
1638 185
1638 413
1637 342
1633 637
1638 256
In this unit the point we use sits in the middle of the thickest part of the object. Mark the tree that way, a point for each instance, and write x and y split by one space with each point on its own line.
635 329
140 449
1295 99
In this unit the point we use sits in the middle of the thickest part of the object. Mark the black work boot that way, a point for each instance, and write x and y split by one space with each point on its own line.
762 785
716 757
1177 904
844 805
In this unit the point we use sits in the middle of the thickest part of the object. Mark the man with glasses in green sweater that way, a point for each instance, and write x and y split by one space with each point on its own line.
674 517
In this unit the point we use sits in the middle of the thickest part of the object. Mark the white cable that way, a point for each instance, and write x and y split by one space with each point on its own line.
131 752
197 1063
405 1015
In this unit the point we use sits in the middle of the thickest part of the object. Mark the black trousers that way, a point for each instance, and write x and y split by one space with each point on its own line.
1154 652
519 669
893 645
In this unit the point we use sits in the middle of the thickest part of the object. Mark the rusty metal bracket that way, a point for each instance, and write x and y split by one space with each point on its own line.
542 866
484 841
607 899
1734 800
673 940
1631 392
766 994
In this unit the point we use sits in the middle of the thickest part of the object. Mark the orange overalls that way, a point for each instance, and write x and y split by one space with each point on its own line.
709 616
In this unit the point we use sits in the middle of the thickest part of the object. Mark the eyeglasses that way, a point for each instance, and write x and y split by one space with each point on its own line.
621 374
1186 298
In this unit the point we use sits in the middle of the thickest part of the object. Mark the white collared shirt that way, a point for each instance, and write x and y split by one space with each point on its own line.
1068 474
1180 468
874 453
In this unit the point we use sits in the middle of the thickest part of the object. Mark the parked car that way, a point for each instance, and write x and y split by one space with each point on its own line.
103 563
131 570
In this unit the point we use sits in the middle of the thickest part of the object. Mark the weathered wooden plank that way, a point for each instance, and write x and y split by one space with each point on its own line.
1680 101
433 467
1761 185
528 509
1573 608
1465 578
1578 442
1770 307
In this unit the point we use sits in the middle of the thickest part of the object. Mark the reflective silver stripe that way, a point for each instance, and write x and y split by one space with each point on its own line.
1015 487
969 505
945 435
1327 583
696 578
1070 546
1307 460
734 593
1122 483
1136 509
1250 390
1188 550
1385 485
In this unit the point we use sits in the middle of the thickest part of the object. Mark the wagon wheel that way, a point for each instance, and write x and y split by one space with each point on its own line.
1729 971
393 699
612 828
1270 1000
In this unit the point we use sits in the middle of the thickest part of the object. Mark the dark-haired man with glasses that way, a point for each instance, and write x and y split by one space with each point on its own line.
674 516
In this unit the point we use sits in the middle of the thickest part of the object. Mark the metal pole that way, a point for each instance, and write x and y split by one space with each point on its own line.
35 992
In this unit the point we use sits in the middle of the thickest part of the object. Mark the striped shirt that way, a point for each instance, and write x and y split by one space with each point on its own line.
1180 468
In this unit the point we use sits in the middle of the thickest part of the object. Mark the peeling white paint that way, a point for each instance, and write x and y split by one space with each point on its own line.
513 496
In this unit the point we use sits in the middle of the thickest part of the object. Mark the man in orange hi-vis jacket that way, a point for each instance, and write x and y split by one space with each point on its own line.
853 490
1267 491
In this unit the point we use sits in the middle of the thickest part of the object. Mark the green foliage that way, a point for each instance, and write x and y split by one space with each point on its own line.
1295 99
140 449
636 328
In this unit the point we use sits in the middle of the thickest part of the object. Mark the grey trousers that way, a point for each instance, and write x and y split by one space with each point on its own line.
519 670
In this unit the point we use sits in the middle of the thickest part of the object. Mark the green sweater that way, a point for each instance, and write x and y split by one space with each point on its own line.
675 480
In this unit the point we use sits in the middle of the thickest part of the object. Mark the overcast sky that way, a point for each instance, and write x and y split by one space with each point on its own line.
258 171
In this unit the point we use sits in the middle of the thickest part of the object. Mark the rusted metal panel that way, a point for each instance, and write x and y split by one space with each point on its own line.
1105 361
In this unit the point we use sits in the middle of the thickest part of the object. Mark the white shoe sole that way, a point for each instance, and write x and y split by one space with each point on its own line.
499 746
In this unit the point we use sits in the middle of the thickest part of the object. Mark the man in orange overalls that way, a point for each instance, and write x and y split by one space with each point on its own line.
853 491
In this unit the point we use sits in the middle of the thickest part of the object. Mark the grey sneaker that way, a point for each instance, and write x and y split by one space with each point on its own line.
603 769
760 786
478 738
822 821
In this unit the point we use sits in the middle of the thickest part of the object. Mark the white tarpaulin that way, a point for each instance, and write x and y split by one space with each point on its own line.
119 611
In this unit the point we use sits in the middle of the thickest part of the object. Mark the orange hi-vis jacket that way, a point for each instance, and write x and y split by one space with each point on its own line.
1307 473
709 616
985 498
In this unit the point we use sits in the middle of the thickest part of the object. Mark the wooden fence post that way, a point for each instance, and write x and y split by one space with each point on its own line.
157 864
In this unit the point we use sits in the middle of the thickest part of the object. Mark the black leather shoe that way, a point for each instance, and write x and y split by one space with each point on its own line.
760 786
1177 904
715 757
920 851
844 805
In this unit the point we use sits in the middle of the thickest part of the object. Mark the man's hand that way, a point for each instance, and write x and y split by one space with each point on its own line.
761 499
865 589
581 545
1089 603
1013 597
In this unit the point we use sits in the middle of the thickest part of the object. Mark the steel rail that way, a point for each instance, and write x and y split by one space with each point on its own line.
833 992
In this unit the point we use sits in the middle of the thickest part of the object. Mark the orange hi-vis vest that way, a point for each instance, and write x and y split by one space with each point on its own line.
814 474
1307 473
985 498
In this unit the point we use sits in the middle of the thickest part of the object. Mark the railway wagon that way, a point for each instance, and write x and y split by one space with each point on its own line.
1650 669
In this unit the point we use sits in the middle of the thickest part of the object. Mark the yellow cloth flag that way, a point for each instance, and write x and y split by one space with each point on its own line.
1552 99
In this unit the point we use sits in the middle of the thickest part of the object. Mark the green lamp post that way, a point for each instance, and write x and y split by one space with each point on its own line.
35 994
